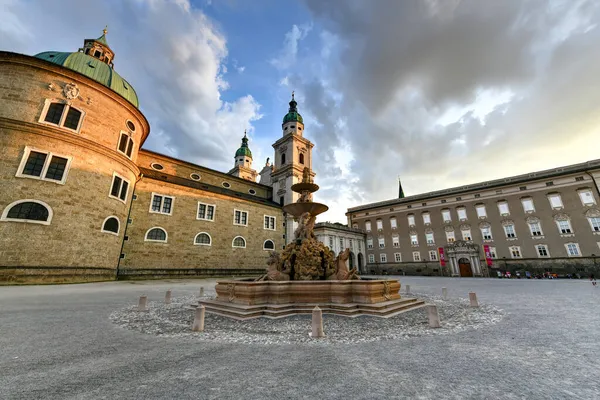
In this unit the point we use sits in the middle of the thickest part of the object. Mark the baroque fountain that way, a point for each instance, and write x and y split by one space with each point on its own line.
306 274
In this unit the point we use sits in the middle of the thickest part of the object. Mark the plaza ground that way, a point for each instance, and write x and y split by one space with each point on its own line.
57 342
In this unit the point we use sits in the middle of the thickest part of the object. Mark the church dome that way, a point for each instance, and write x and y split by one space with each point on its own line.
244 150
94 60
293 115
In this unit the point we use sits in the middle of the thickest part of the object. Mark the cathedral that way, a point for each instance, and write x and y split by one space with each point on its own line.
82 201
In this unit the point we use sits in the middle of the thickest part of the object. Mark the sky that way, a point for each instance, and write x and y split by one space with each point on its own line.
438 93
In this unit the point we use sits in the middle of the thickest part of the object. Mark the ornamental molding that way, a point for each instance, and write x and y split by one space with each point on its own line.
506 222
428 230
412 232
71 91
449 228
561 217
465 227
283 148
592 212
484 224
532 219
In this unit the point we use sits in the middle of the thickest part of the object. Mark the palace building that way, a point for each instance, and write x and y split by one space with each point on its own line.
547 221
82 201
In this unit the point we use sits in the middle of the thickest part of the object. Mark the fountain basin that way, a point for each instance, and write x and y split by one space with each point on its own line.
297 209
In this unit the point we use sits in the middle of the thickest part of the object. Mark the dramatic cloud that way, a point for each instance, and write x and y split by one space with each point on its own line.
171 53
445 93
287 57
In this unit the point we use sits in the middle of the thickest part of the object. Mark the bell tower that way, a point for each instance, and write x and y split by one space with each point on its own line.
293 153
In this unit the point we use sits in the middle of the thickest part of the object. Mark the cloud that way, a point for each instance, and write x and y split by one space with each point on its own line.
172 53
447 93
287 56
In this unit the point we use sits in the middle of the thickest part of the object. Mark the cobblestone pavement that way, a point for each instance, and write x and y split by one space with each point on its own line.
59 342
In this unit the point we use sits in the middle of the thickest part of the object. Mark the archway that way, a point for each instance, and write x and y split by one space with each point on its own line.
351 261
464 266
360 263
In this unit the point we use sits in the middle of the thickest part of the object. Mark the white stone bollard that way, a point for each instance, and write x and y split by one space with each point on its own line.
473 299
143 302
434 317
168 297
198 325
317 323
407 288
201 292
445 293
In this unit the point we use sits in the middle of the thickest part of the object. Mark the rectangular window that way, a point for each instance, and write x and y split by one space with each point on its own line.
62 115
161 204
462 213
433 256
414 240
382 258
503 208
368 226
564 226
481 212
119 187
206 212
369 243
351 243
43 165
393 223
493 252
515 251
396 241
397 257
240 217
528 205
331 242
429 238
269 222
411 220
535 228
381 243
587 197
466 234
555 201
55 112
446 216
379 224
573 249
342 247
509 230
426 218
486 233
72 119
595 223
125 144
416 256
450 237
542 250
371 258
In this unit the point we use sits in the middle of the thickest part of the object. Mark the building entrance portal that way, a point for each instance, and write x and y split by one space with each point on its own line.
464 267
351 261
361 263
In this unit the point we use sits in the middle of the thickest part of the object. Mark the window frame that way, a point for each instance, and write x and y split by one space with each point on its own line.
555 195
528 199
483 235
111 232
448 234
416 255
435 255
397 257
464 211
426 221
274 222
382 258
432 238
130 137
396 243
568 221
514 231
239 247
546 249
379 224
203 244
371 258
592 224
368 226
393 223
63 117
269 240
154 240
539 224
416 241
591 192
381 242
241 212
500 203
409 218
4 216
470 235
369 242
576 246
518 248
120 188
214 206
478 207
444 211
27 151
162 202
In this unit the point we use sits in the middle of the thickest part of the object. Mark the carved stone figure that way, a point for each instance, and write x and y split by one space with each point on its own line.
71 91
342 272
273 270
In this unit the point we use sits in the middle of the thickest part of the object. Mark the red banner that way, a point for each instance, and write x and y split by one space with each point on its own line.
488 255
442 257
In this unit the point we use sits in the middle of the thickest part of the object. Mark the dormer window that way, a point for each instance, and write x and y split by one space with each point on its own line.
98 54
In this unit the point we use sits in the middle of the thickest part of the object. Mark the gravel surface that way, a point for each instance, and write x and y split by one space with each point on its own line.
175 320
60 342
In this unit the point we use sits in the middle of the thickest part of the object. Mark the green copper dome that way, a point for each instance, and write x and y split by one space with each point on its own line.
100 70
293 115
244 151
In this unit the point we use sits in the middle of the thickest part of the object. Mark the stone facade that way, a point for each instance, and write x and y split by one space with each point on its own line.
339 237
544 221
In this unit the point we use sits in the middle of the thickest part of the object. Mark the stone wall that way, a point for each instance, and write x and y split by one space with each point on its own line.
179 256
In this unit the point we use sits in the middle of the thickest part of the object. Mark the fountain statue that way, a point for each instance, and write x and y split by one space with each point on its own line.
306 258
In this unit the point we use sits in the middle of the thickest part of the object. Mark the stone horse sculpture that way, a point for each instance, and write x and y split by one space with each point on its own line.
342 272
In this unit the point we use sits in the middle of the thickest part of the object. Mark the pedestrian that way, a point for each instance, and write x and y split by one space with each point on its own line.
593 279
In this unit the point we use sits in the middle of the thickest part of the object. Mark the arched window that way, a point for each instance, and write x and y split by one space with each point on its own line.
283 159
268 245
239 241
33 211
156 234
301 158
111 225
203 239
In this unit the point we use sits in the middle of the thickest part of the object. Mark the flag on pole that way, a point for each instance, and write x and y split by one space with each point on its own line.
400 191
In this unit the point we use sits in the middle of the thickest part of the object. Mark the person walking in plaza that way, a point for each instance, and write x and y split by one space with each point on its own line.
593 279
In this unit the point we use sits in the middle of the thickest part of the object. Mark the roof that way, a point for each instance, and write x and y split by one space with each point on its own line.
549 173
293 115
244 150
